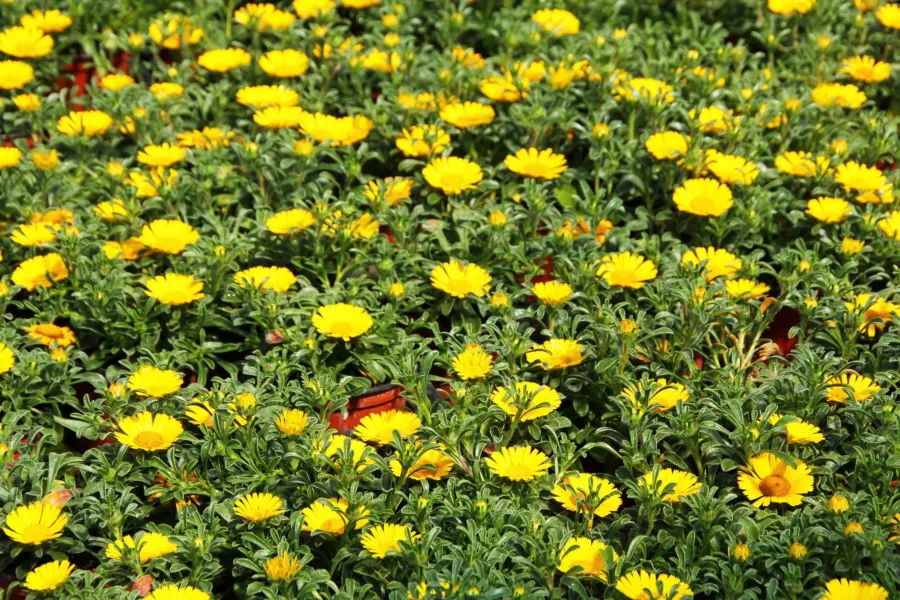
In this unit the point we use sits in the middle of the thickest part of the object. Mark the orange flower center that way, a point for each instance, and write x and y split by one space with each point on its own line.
774 486
148 440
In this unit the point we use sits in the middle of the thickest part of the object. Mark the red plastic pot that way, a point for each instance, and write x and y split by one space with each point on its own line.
387 232
546 265
17 594
779 330
9 142
77 76
122 62
379 399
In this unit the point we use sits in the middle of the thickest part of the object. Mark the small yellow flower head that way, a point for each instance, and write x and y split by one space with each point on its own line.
396 290
741 552
499 300
258 508
49 576
600 130
292 422
823 41
838 504
853 527
282 567
27 102
797 551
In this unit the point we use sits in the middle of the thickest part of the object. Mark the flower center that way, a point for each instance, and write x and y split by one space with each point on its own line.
342 328
775 486
148 440
460 286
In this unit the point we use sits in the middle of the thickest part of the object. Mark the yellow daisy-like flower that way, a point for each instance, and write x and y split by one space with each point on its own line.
381 539
148 184
150 545
716 262
889 15
849 246
421 141
704 197
259 507
890 225
175 289
802 164
111 210
282 567
866 69
503 88
880 310
336 448
169 236
151 382
557 21
115 82
452 175
280 117
667 145
344 321
464 115
849 589
626 270
15 74
339 131
588 491
201 414
276 279
432 464
472 363
89 123
730 169
167 90
799 431
40 271
284 64
862 388
290 222
164 155
263 96
379 428
671 485
644 89
49 576
7 359
308 9
130 249
538 164
35 523
556 353
224 59
27 102
643 585
860 178
828 210
541 400
662 397
848 95
712 119
553 293
292 422
51 335
518 463
45 161
51 21
393 190
460 280
174 592
769 480
583 556
25 42
35 234
797 551
746 289
148 432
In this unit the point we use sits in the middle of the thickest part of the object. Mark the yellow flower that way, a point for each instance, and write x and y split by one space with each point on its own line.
799 431
166 90
661 397
431 464
467 114
164 155
49 334
839 146
290 222
112 210
49 576
174 592
89 123
539 164
584 492
282 567
503 89
379 428
827 95
828 210
848 589
627 270
849 246
40 271
730 169
130 249
452 175
716 262
276 279
344 321
51 21
713 119
280 117
643 585
499 300
556 353
860 178
644 89
801 164
14 74
745 289
703 197
879 309
359 4
336 450
539 400
174 289
838 504
393 190
668 145
7 359
224 59
169 236
890 225
149 432
396 290
518 463
557 21
797 551
25 42
472 363
381 539
600 130
292 422
498 218
768 480
670 485
422 141
151 382
151 545
553 293
201 414
460 280
258 507
27 102
791 7
36 523
307 9
866 69
263 96
889 16
584 556
147 184
45 161
377 60
741 552
115 82
862 388
853 527
284 64
339 131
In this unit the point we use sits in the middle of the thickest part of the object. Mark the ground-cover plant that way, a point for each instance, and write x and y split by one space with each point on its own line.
417 299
